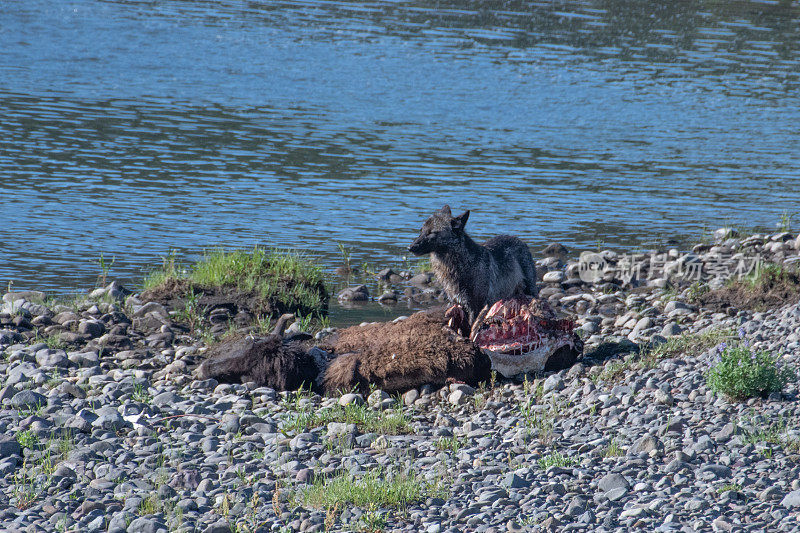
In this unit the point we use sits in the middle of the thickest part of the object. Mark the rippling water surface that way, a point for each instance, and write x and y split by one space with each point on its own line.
130 128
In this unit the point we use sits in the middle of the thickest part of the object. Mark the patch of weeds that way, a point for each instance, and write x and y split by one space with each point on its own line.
27 439
313 322
191 312
54 342
274 280
346 256
388 422
689 344
735 487
141 393
613 370
449 444
765 276
372 522
541 419
785 222
377 488
170 270
696 290
669 294
32 410
742 373
686 345
613 449
556 459
263 324
25 488
105 266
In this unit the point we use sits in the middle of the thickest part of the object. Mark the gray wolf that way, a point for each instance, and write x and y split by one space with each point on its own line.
475 275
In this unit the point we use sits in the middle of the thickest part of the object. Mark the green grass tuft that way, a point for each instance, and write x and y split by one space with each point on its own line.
388 422
742 373
284 280
556 459
377 488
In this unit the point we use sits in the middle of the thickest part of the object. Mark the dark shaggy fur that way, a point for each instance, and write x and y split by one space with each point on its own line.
474 275
396 357
268 360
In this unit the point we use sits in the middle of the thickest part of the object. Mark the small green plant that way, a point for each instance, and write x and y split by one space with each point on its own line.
785 222
449 444
191 312
105 266
27 439
556 459
742 373
372 522
696 290
276 279
613 449
378 488
140 393
264 324
733 487
346 256
541 419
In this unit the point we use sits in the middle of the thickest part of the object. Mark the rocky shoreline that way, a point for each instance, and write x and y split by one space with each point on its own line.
104 428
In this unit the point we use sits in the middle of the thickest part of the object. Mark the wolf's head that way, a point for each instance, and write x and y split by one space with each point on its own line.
440 232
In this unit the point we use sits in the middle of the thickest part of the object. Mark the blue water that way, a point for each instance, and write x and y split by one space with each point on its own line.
130 128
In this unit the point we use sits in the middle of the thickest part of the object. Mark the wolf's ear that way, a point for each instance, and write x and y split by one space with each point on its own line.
445 210
460 221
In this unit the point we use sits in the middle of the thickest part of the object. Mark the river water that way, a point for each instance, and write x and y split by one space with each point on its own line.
131 128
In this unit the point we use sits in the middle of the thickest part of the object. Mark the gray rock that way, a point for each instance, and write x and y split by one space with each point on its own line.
147 525
166 399
458 397
553 383
791 500
230 423
9 446
27 399
719 471
513 481
93 328
220 526
154 308
553 277
613 481
377 397
671 329
410 397
351 398
646 445
354 294
111 421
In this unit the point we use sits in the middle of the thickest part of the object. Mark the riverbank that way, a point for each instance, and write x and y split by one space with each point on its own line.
105 428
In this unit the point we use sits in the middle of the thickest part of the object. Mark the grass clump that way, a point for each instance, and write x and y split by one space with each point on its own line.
271 281
378 488
388 422
449 444
742 373
556 459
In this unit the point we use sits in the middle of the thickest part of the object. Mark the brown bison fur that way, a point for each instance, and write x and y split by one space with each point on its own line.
397 356
267 360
